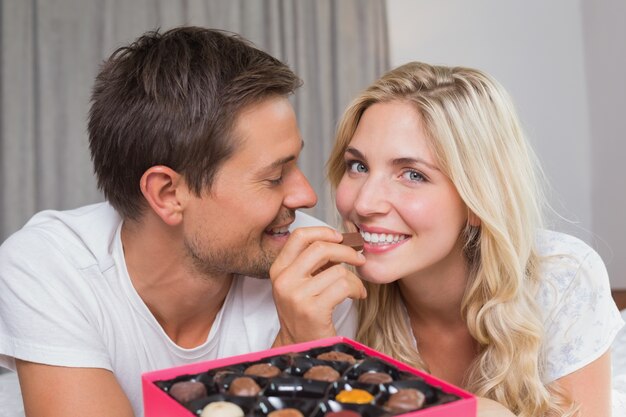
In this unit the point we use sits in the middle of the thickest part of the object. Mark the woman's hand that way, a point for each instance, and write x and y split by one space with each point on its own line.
309 281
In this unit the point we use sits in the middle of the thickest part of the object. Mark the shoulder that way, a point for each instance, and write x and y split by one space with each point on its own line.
82 236
569 266
580 317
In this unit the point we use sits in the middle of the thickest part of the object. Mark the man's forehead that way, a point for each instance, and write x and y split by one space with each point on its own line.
281 160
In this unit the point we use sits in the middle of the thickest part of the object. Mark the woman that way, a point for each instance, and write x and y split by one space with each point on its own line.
431 166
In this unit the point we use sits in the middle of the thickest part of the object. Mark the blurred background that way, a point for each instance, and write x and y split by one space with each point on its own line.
562 61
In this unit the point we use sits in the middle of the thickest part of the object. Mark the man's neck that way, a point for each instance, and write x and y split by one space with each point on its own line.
182 299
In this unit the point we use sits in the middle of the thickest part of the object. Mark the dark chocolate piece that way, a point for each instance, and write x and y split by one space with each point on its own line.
322 373
353 239
342 413
266 370
335 355
186 391
405 400
375 378
244 386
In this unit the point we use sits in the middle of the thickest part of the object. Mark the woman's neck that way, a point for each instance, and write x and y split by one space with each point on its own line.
434 296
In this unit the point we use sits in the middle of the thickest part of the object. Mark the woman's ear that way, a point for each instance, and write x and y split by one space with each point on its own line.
161 186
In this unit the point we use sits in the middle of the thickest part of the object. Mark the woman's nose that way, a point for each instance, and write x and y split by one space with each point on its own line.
372 198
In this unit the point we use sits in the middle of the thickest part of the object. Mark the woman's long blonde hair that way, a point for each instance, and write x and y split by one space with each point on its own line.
478 143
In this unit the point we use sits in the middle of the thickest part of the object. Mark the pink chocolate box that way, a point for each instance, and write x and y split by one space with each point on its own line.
158 403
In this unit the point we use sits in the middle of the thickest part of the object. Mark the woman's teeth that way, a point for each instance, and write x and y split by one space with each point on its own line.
382 238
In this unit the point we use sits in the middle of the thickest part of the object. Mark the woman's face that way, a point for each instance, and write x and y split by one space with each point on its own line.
409 212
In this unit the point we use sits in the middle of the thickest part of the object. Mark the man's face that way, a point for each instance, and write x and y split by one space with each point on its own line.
241 224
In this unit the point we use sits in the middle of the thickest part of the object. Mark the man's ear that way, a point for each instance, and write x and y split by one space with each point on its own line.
161 186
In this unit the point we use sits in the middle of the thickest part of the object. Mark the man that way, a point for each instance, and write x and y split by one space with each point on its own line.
195 146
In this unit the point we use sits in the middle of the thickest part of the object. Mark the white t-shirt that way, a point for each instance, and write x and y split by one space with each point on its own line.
579 314
66 299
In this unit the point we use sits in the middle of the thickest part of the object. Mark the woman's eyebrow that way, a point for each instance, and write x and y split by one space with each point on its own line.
355 152
413 161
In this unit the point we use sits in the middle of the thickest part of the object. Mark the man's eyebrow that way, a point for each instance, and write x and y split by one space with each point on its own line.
397 161
282 161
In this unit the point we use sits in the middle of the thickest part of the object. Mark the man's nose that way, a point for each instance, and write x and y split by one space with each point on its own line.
300 193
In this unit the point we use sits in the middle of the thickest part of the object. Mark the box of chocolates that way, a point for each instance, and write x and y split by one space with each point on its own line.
335 377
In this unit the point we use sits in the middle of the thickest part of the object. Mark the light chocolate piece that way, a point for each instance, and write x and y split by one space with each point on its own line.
342 413
322 373
354 240
286 412
335 355
405 400
244 386
266 370
375 378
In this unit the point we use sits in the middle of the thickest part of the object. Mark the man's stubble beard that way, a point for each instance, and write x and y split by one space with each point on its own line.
220 261
233 260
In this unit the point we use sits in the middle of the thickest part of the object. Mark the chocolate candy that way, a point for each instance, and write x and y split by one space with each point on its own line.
342 413
222 409
266 370
186 391
286 412
405 400
353 239
335 355
354 396
322 373
375 378
337 380
244 386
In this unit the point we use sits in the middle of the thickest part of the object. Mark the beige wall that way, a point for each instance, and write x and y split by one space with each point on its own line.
553 59
605 52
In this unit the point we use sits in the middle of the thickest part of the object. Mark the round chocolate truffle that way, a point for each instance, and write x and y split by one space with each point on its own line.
335 355
322 373
354 396
244 386
286 412
222 409
405 400
266 370
375 378
185 391
342 413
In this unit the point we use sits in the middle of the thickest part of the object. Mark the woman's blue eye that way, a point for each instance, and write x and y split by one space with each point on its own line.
413 176
356 166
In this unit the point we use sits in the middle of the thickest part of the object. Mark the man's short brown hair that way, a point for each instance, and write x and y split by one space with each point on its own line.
171 99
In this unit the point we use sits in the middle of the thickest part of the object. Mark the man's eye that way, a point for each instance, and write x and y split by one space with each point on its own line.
276 181
356 166
414 176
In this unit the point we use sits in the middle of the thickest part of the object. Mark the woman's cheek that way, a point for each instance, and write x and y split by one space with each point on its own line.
344 199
